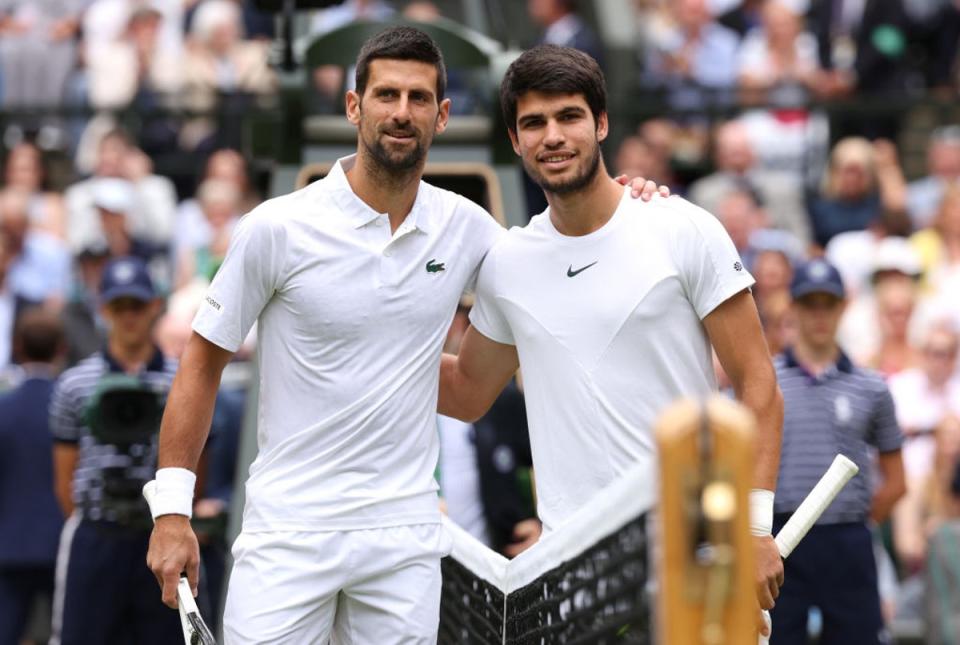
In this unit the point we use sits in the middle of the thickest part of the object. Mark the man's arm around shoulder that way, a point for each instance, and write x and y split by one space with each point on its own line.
183 432
471 381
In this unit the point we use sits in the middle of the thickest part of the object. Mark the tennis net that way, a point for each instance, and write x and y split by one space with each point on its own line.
586 582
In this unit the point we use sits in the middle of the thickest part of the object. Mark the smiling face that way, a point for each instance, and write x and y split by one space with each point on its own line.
398 114
558 140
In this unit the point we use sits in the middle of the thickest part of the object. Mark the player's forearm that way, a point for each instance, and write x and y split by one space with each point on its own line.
884 500
189 409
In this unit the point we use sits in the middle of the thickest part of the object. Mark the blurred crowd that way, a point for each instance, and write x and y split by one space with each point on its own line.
789 183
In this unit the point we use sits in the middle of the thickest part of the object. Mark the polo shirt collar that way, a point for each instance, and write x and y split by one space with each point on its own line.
359 213
155 364
843 364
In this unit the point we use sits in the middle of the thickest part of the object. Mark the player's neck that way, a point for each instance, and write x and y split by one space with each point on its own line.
816 359
585 211
384 191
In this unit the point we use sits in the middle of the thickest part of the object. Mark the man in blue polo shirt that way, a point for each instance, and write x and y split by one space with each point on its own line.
832 406
105 418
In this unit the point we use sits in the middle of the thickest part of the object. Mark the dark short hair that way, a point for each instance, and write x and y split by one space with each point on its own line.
401 43
38 336
553 70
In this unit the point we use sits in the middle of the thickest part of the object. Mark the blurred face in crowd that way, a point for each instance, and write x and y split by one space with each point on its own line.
558 140
817 316
781 24
734 150
852 180
779 325
398 114
940 355
740 216
691 15
896 297
545 12
944 159
24 168
228 165
113 154
772 271
14 219
634 159
219 201
143 30
130 320
948 217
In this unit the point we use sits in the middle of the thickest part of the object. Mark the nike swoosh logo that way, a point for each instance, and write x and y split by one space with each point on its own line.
571 272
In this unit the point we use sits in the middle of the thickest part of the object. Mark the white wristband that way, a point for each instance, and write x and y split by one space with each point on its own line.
761 511
174 492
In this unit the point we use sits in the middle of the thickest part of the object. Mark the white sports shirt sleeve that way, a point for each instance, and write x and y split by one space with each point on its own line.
245 282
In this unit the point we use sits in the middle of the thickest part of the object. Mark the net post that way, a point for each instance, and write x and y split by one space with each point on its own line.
706 574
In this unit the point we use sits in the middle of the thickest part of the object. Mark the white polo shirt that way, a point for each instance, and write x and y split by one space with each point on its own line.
608 330
351 324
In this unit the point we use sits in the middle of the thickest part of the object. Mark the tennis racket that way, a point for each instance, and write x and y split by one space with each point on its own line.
811 508
195 631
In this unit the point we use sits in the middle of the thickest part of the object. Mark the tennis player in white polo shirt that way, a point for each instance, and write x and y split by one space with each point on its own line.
609 306
354 281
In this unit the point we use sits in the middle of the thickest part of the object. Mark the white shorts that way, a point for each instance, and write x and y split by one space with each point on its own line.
367 586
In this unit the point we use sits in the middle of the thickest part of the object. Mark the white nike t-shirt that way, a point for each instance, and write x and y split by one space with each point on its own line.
608 330
351 322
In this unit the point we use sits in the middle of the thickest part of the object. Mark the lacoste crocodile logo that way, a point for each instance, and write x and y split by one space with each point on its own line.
434 267
571 272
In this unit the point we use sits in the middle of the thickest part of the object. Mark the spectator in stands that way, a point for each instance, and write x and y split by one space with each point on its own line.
226 165
864 47
85 330
741 216
856 253
691 52
831 406
38 269
778 62
773 269
219 203
100 465
939 249
926 397
221 66
943 170
154 197
892 262
563 26
779 326
896 303
23 170
736 167
30 520
134 72
863 181
637 158
105 21
37 53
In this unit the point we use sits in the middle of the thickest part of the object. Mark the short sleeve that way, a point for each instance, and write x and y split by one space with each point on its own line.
711 269
483 233
248 278
487 316
66 423
886 433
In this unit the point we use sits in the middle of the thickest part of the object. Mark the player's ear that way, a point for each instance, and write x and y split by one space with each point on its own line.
352 102
514 141
603 126
443 116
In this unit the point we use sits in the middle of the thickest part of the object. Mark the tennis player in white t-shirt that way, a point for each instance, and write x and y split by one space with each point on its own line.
610 306
353 281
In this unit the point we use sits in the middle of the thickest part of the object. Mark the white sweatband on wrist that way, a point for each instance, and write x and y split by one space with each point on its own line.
174 492
761 512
